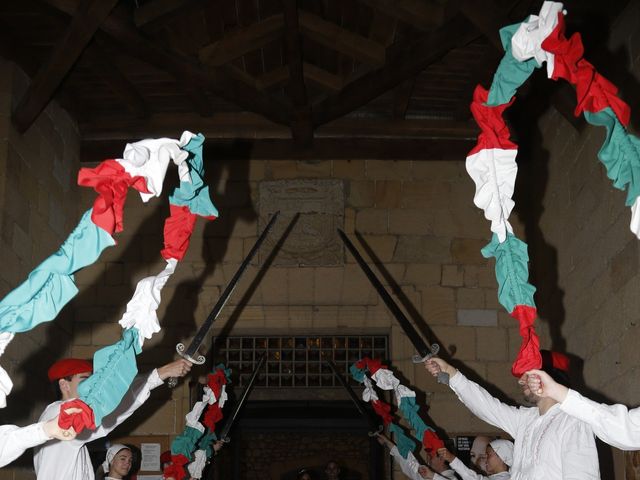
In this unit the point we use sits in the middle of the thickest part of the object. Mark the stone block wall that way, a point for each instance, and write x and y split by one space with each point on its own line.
585 223
37 211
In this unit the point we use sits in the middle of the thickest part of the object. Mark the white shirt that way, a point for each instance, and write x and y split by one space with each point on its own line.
614 424
467 474
546 447
410 466
69 460
15 440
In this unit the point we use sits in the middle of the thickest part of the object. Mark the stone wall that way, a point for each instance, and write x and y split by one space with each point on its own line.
585 226
37 211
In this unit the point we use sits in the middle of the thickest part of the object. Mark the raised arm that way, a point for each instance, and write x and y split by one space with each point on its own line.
464 472
477 399
137 395
614 424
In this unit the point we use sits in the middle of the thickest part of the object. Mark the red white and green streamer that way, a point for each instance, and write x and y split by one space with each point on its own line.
406 401
51 285
193 447
492 163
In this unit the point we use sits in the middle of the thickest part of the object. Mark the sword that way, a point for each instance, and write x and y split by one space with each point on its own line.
374 424
243 398
424 351
189 352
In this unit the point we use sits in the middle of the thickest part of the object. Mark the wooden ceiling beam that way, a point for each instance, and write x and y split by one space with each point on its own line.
301 126
401 97
321 78
274 78
152 15
344 41
422 14
323 149
408 62
104 66
249 125
184 70
239 42
86 20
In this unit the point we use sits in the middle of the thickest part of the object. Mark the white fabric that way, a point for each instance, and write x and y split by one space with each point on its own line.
196 467
223 396
70 460
369 393
150 159
193 417
142 309
494 171
111 452
526 43
634 226
504 450
385 379
5 381
409 465
550 446
446 474
15 440
465 473
401 391
614 424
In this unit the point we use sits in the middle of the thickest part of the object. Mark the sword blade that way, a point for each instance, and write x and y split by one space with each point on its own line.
192 349
373 421
243 398
414 337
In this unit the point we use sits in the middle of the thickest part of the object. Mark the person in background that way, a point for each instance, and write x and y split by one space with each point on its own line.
499 455
117 463
332 471
304 474
477 454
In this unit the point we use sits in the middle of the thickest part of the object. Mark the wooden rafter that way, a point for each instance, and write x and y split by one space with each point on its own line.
323 79
241 41
301 126
422 14
345 41
105 67
187 71
86 20
410 61
158 12
401 96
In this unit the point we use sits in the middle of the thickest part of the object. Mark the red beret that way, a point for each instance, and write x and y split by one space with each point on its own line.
68 367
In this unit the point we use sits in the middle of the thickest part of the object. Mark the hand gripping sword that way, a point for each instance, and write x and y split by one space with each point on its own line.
191 351
374 424
424 351
243 398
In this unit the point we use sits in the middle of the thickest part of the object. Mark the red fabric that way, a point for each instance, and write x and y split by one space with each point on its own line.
111 181
165 457
68 367
432 442
212 416
215 382
556 360
529 355
79 421
370 364
176 468
383 410
178 228
594 92
494 131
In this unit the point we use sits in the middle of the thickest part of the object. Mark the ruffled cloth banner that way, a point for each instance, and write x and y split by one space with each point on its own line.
491 164
51 285
406 401
194 444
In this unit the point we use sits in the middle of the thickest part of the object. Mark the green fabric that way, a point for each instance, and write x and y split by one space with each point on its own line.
185 443
206 443
404 443
195 194
620 153
356 373
409 411
512 271
114 368
511 73
226 371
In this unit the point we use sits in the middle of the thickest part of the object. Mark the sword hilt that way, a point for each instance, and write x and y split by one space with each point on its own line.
180 348
377 432
442 377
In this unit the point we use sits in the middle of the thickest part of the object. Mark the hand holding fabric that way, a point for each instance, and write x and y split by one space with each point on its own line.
52 430
542 385
446 454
